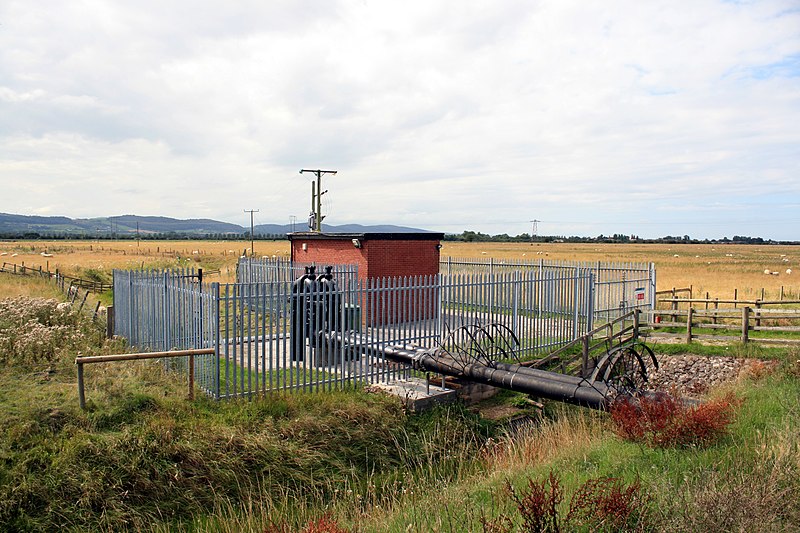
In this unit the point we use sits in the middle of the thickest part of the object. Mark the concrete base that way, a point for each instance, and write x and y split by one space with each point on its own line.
415 395
471 393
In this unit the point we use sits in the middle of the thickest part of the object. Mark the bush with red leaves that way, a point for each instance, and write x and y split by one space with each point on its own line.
606 503
539 505
601 504
665 421
320 525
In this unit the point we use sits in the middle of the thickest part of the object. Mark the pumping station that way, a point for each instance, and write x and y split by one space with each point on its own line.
385 310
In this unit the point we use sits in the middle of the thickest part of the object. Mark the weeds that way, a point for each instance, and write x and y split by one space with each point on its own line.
538 506
608 504
39 331
599 504
324 524
664 420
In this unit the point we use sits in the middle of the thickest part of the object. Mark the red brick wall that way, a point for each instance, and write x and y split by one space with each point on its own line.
375 258
326 252
402 258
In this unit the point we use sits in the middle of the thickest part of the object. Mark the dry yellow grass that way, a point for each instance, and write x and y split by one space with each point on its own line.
716 269
12 286
74 258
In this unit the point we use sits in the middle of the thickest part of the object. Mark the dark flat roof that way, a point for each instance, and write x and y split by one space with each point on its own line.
313 235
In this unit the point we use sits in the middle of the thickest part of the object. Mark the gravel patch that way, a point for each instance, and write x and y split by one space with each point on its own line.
694 375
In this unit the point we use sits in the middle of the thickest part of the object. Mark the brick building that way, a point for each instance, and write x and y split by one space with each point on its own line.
378 255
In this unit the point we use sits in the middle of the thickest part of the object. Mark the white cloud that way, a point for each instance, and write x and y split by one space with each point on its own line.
607 117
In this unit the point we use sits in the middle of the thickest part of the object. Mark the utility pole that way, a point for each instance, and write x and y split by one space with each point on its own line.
534 228
315 220
252 246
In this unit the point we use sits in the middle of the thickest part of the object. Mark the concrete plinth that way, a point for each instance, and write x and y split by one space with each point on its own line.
416 395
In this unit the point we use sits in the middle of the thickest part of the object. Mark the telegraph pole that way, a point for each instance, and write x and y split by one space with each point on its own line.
252 246
316 197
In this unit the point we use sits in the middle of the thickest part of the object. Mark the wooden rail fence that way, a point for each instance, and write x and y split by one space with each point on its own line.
80 361
744 320
600 339
65 283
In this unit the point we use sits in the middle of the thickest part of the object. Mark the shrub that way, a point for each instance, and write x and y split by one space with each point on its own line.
664 420
539 505
324 524
606 503
600 504
39 330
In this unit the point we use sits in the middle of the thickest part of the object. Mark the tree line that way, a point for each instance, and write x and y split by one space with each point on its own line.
466 236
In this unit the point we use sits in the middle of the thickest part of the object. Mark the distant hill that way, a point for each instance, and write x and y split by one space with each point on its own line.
12 225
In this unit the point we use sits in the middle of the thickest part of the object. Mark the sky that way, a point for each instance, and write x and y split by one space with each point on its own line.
648 118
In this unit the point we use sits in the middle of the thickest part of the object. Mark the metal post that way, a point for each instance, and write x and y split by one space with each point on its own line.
575 304
215 293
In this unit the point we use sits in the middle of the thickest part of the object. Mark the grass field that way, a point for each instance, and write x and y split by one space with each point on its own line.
714 269
143 458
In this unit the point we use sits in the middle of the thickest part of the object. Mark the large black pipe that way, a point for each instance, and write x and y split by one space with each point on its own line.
541 383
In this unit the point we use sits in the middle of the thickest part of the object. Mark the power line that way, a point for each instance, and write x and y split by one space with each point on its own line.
316 216
534 228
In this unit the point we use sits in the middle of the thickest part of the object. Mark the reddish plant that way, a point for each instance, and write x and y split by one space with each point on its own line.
608 504
323 525
538 506
604 503
663 420
320 525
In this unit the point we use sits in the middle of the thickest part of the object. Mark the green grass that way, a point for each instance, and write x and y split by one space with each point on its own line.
143 457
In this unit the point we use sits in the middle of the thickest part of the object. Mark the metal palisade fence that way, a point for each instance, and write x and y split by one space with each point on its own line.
619 287
271 335
270 269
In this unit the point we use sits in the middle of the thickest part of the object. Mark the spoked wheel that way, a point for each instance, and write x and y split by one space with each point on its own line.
477 344
626 369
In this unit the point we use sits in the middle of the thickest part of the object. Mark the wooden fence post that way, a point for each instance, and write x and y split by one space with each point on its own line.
191 376
674 304
758 312
81 393
585 354
689 325
110 321
745 323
